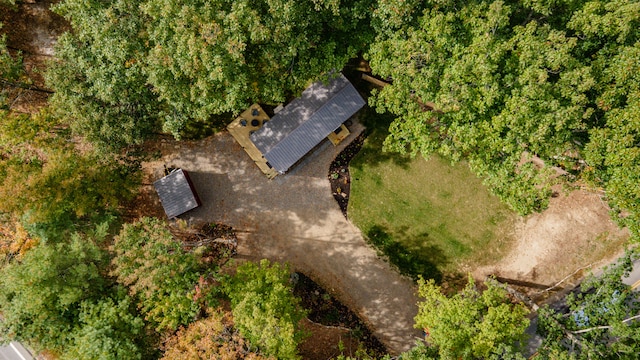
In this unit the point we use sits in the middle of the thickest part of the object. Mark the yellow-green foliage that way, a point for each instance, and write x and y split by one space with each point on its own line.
470 324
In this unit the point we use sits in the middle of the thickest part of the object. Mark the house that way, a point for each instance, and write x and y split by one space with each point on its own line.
291 133
177 193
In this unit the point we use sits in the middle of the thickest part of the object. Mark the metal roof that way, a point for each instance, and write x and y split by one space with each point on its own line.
177 195
14 351
306 121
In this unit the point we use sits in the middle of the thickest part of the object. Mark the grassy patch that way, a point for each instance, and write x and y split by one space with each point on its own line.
428 217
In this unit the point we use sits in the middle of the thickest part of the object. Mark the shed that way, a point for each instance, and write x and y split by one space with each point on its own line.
177 193
306 121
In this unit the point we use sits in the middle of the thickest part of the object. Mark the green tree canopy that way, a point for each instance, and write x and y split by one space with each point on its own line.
211 57
503 87
158 272
109 329
265 310
514 80
611 34
470 324
98 75
42 296
50 184
129 65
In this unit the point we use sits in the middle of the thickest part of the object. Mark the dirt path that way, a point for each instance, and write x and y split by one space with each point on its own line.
295 219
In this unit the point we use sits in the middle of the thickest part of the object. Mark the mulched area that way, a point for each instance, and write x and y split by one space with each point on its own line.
220 241
326 310
339 177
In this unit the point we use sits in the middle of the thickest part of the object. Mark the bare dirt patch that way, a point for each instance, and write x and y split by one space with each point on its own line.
576 231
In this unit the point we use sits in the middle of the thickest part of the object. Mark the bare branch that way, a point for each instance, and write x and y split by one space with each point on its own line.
565 278
605 326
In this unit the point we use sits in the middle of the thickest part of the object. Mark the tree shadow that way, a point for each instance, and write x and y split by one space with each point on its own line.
424 261
196 129
377 130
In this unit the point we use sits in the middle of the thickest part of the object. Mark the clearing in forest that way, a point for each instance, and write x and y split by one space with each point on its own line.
438 220
431 218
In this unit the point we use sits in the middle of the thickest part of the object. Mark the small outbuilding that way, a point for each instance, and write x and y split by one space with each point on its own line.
177 193
306 121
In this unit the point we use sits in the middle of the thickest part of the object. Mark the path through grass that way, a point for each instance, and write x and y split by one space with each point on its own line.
429 217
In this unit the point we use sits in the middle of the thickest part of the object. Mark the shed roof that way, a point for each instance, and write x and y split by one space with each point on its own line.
306 121
177 194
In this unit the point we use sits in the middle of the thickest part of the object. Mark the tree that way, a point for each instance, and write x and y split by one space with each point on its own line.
109 329
599 321
213 337
470 324
158 272
52 186
238 52
506 86
129 66
42 296
265 310
502 83
67 188
15 241
99 77
612 39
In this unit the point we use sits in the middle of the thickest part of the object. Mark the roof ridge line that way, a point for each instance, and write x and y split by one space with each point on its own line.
317 110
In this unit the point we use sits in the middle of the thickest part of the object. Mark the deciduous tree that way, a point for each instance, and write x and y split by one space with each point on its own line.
233 53
471 324
129 66
503 86
49 184
158 272
265 310
109 329
42 295
99 77
213 337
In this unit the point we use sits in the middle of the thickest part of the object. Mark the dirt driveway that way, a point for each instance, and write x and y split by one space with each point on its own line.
295 219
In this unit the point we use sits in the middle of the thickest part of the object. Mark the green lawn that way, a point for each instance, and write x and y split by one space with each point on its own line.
428 217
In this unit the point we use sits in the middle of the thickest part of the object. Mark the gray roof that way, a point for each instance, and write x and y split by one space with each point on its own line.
306 121
176 193
14 351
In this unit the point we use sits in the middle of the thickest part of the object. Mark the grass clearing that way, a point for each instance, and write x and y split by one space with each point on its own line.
428 217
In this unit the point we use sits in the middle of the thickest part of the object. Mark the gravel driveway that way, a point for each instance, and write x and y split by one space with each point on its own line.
295 219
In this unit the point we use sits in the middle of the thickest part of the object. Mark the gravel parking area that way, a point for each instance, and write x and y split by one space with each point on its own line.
294 218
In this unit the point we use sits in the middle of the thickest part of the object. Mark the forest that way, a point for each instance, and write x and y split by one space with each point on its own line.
516 89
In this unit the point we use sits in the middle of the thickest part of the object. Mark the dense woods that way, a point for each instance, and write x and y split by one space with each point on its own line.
517 89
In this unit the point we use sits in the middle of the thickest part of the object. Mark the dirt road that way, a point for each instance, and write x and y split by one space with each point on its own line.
295 219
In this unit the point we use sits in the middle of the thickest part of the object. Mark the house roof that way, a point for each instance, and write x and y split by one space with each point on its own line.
176 193
306 121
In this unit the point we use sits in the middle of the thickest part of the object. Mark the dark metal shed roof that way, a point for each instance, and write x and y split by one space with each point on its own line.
177 194
306 121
